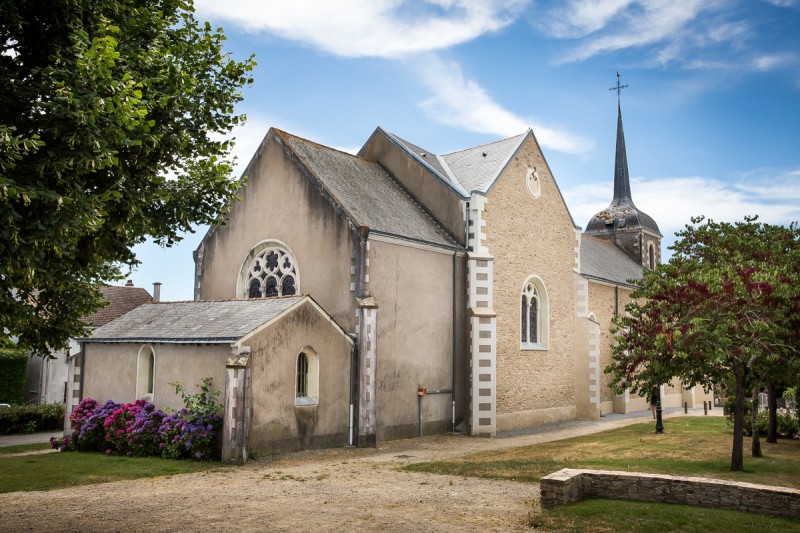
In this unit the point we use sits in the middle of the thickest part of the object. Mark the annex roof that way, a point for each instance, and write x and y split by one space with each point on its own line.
199 321
120 300
603 260
367 193
471 170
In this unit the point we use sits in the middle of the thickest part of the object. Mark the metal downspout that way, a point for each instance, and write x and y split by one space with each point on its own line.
455 324
353 370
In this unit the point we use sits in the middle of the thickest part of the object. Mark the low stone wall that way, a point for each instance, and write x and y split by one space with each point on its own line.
570 485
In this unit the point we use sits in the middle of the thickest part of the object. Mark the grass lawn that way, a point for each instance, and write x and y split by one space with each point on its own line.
690 446
56 470
19 448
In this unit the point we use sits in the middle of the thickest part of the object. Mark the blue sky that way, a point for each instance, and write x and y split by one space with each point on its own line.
712 112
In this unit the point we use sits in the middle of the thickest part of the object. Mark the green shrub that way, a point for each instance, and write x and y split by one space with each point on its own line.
12 375
788 426
31 418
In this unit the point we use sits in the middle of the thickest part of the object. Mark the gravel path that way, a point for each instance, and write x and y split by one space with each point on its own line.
322 490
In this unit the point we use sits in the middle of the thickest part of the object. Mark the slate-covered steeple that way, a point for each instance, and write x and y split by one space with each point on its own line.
621 222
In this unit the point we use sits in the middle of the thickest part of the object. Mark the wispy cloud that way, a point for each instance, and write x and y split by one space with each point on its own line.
368 28
772 195
461 102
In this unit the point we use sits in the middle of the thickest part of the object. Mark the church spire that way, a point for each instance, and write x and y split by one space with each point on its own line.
621 222
622 185
622 182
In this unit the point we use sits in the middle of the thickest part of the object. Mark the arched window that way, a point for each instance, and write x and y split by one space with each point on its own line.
651 256
307 377
145 374
268 270
534 316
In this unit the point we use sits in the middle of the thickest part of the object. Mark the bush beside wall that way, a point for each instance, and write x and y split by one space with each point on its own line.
12 375
31 418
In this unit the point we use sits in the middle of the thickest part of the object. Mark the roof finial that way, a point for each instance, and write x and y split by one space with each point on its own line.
618 87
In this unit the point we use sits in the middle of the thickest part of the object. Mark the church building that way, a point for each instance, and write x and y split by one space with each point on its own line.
457 291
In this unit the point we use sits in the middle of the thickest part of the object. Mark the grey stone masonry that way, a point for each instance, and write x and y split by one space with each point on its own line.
571 485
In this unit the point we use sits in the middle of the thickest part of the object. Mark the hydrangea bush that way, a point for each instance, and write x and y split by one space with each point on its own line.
140 429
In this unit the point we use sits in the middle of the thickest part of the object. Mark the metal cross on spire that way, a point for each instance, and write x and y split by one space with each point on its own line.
618 87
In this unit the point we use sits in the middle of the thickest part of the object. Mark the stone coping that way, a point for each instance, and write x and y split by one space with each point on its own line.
572 485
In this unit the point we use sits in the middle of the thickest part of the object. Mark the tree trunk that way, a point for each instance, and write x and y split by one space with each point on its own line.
756 446
737 453
772 404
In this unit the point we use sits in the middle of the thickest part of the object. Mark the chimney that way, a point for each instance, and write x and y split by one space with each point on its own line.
156 292
129 283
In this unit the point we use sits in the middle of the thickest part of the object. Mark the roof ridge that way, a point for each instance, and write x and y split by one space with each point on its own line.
329 148
485 144
265 298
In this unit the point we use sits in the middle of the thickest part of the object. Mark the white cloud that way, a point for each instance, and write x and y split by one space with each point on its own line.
773 196
463 103
368 28
624 24
773 61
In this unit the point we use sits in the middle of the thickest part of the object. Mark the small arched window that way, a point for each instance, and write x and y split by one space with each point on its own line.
534 316
307 377
145 374
651 256
268 270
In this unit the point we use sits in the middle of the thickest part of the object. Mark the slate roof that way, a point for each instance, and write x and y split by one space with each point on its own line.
120 301
471 170
369 195
603 260
223 321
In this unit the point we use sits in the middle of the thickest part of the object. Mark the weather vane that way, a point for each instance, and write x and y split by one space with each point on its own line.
618 87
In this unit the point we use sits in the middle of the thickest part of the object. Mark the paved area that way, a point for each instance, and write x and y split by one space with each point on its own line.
28 438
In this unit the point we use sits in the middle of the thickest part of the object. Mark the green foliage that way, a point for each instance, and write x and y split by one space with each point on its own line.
32 418
201 404
112 120
13 363
725 308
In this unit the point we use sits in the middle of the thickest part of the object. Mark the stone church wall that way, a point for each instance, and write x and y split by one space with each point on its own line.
110 370
277 424
532 236
413 288
280 202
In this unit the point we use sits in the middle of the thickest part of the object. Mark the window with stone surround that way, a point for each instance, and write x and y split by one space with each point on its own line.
534 315
268 270
651 256
145 373
307 378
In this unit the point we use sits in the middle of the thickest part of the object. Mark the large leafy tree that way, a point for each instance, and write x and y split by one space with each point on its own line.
113 115
726 307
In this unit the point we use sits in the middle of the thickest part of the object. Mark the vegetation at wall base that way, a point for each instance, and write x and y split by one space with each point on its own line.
13 363
31 418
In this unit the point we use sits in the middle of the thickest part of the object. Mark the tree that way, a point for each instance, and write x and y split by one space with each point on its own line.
725 307
113 115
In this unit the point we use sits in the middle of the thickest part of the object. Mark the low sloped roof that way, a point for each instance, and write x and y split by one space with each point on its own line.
369 195
120 301
202 321
603 260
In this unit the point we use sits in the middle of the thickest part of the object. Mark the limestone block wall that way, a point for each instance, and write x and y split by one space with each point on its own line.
532 236
571 485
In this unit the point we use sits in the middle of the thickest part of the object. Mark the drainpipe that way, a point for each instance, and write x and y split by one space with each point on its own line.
616 300
353 370
82 354
455 324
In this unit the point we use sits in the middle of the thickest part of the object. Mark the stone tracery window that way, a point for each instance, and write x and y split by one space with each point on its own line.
534 316
270 270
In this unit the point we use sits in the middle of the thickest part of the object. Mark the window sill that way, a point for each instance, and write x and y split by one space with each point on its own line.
532 347
305 402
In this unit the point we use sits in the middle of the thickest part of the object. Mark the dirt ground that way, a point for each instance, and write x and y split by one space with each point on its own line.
326 490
